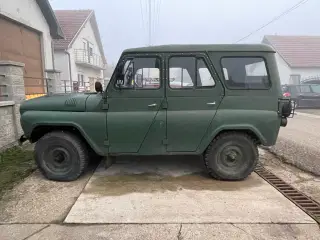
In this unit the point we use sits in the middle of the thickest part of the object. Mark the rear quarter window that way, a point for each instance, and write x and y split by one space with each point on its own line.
245 73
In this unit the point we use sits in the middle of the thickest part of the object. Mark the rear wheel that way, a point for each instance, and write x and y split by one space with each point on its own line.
61 156
231 156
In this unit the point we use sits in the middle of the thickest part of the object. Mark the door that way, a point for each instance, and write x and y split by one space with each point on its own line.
135 118
193 96
21 44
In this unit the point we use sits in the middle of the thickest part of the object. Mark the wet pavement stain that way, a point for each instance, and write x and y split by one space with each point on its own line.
117 185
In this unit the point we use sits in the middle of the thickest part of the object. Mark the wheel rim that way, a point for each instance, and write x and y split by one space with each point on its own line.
58 160
231 157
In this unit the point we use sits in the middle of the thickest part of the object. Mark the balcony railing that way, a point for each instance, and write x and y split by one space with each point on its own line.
82 56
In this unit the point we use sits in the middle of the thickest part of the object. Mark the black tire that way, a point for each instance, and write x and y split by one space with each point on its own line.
61 156
231 156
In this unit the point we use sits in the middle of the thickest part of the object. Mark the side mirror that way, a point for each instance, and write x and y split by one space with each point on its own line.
98 87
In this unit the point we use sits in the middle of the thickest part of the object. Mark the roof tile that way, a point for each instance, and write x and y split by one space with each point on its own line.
70 22
297 51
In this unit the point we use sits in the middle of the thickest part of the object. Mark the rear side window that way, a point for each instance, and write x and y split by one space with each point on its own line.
245 73
305 89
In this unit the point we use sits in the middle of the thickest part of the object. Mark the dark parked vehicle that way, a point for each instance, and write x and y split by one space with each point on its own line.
305 95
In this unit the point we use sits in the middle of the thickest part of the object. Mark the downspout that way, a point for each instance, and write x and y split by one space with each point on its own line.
70 73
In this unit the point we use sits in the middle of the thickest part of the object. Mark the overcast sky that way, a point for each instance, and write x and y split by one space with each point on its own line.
194 21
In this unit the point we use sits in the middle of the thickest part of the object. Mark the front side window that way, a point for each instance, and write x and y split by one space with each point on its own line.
245 73
142 73
189 72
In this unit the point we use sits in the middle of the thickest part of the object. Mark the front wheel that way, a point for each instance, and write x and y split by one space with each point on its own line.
61 156
231 156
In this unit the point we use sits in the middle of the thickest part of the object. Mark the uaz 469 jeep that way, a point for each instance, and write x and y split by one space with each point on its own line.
219 101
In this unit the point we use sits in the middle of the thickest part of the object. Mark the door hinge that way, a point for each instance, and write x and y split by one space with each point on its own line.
165 141
106 142
164 105
105 106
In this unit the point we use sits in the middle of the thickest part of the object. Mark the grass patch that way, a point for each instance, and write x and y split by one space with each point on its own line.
15 164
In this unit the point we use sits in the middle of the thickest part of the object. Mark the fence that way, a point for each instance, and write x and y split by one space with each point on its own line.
43 86
16 88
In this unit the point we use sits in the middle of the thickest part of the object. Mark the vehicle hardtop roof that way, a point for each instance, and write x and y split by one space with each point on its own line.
203 47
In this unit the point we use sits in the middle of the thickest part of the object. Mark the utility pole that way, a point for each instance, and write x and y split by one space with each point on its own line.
149 22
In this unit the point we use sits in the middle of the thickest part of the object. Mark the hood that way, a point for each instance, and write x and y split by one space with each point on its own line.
75 102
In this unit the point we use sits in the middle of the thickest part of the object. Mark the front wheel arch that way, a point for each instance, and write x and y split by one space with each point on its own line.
41 129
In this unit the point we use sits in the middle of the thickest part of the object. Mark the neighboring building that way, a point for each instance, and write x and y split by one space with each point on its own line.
298 57
79 56
27 29
107 73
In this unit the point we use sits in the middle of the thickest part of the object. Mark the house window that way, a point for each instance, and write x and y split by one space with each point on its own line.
81 80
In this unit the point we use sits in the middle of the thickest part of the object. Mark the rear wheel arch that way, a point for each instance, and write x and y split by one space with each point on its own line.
251 133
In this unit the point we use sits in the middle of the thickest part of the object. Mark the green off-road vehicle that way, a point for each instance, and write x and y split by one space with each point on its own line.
218 101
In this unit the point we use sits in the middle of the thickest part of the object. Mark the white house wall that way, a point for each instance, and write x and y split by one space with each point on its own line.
306 72
284 69
62 64
86 33
28 13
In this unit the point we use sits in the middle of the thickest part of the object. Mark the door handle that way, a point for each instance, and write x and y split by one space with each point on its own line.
152 105
211 103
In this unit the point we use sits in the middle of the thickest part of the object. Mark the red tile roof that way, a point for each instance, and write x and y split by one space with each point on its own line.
297 51
70 22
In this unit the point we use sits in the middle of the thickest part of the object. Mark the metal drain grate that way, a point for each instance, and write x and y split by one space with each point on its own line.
308 205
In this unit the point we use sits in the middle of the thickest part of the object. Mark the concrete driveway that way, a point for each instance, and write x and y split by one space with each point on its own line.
151 198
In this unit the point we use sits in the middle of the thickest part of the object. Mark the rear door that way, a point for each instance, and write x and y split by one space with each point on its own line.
193 95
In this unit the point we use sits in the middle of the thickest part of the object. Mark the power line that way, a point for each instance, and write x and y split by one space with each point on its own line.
149 40
275 19
157 16
142 18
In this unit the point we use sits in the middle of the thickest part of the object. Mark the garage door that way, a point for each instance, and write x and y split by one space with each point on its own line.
18 43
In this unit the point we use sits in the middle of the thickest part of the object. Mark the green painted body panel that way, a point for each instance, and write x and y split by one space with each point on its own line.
91 125
59 102
165 120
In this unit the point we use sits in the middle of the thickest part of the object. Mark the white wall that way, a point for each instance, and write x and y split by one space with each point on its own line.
88 34
306 72
28 13
61 61
284 69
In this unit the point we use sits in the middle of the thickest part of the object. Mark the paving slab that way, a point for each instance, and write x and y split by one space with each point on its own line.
110 232
249 231
38 200
19 231
176 190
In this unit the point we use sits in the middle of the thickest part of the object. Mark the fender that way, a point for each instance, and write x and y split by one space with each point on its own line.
207 139
91 143
81 121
